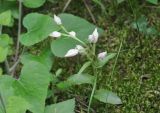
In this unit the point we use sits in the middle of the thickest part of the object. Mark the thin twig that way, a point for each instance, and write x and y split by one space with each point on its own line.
66 6
19 30
89 11
7 66
18 34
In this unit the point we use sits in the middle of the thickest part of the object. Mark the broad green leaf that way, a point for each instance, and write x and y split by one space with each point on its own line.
33 85
107 97
82 27
45 58
5 42
62 107
33 4
72 23
102 62
82 78
5 18
37 30
20 102
76 79
30 89
61 46
153 1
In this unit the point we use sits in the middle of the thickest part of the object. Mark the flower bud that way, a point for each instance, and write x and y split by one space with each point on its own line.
71 53
72 34
55 34
102 55
80 48
57 20
93 38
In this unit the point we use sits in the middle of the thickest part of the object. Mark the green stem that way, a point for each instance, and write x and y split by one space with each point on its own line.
19 30
75 38
120 47
18 35
92 94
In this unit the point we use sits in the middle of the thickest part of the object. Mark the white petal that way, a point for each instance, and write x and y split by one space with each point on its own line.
57 20
80 48
55 34
71 53
102 55
95 33
72 34
93 38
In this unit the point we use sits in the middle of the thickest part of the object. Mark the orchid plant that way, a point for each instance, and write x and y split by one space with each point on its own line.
95 60
68 36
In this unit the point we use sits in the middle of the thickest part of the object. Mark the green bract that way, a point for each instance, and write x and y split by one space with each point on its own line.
38 26
72 23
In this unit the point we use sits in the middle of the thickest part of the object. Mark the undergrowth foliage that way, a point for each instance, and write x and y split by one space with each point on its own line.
27 81
68 36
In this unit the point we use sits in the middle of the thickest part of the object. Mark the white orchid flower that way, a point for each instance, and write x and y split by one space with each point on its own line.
93 38
72 34
72 52
57 20
80 48
55 34
102 55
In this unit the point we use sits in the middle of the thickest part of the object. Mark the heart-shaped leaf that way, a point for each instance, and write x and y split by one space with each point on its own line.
72 23
62 107
30 89
45 58
107 97
33 4
61 46
38 30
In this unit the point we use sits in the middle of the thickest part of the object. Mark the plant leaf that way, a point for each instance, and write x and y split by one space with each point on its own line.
5 18
153 1
5 42
38 30
35 4
101 63
107 97
62 107
76 79
31 86
82 28
45 58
